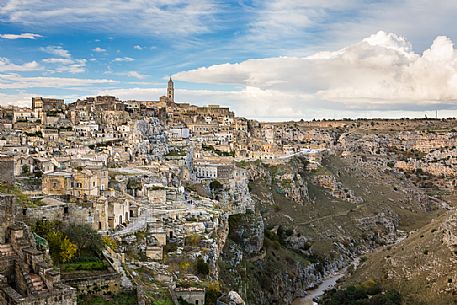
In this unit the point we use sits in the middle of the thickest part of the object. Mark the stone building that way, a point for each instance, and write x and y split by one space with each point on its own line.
42 105
191 295
171 91
206 170
118 212
80 183
26 277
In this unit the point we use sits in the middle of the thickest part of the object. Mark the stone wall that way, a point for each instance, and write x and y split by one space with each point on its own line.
7 214
7 268
62 296
98 284
191 295
7 170
66 212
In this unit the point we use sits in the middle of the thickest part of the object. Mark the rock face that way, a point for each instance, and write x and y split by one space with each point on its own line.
449 229
293 186
380 229
274 272
336 188
247 231
291 243
234 298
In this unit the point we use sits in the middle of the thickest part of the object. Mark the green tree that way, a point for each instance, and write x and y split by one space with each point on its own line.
67 250
44 227
25 169
215 185
213 292
62 250
85 237
201 266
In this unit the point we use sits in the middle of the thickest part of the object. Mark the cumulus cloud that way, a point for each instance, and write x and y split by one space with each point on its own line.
57 50
20 36
263 104
7 65
138 47
382 72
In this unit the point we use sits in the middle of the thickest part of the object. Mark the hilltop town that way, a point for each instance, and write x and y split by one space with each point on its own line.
160 202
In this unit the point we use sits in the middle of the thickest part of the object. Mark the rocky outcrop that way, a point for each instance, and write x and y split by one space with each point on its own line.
380 229
337 189
247 230
279 251
449 229
293 186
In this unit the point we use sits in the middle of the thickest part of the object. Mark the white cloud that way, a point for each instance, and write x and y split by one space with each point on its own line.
380 73
285 24
123 59
57 50
138 47
157 17
99 50
18 99
420 21
20 36
245 102
295 28
16 81
65 63
62 65
135 74
6 65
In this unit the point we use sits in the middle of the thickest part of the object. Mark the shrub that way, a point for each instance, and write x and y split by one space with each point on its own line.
60 247
215 185
368 293
170 247
84 266
201 266
108 241
192 240
213 292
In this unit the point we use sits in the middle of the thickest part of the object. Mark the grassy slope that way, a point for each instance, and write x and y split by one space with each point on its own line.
326 218
419 267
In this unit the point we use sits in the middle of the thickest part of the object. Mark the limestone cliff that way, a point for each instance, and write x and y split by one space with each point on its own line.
299 232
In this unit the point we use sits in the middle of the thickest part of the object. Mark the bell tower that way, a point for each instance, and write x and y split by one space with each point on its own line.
171 90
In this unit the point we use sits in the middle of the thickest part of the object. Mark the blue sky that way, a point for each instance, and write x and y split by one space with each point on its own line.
271 60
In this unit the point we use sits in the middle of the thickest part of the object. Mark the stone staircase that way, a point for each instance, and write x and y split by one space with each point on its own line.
38 286
6 250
